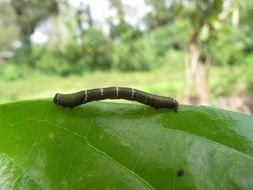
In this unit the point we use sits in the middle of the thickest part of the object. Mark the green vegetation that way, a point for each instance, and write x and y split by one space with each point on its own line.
166 80
199 52
144 52
190 38
208 45
123 146
46 86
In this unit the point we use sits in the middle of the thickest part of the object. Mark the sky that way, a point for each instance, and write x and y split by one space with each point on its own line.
100 11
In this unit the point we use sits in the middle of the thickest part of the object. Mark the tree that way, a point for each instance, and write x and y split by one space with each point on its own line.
207 18
122 26
29 14
84 17
8 29
162 13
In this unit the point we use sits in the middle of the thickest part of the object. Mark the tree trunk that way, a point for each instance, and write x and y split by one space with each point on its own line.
195 73
25 52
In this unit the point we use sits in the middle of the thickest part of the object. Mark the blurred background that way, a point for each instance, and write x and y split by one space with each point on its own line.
197 51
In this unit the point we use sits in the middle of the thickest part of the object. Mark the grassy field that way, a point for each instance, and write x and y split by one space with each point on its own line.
40 86
168 80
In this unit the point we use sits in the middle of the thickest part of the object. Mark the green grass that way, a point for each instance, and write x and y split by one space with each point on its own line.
231 80
159 81
168 80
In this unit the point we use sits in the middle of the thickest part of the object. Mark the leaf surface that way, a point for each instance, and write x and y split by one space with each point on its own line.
105 145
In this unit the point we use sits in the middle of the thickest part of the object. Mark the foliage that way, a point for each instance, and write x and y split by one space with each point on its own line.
233 46
93 53
9 31
80 46
96 50
53 62
123 146
173 36
162 13
10 71
134 53
29 13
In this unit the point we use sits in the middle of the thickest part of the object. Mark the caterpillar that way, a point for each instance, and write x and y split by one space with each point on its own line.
83 97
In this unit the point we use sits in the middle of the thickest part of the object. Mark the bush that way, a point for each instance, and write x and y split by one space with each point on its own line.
231 47
53 63
172 36
134 54
249 60
96 51
144 52
10 71
93 53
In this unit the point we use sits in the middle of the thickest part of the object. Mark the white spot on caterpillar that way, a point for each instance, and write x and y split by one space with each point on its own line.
132 93
101 91
146 99
86 96
57 98
117 91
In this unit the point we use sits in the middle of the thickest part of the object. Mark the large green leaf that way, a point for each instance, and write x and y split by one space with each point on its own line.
123 146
